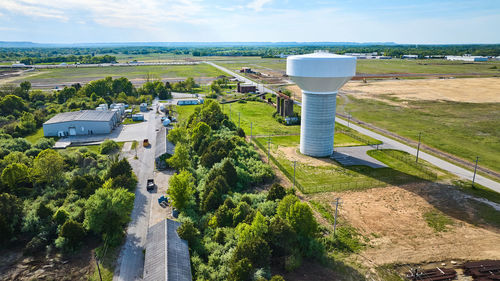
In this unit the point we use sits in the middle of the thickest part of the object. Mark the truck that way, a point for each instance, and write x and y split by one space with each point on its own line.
150 185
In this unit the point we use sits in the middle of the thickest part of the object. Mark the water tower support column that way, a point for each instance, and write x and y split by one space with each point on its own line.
317 123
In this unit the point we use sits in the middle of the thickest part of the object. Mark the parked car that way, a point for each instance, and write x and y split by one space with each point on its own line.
145 143
150 185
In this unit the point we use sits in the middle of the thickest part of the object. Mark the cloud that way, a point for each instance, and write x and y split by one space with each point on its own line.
33 10
258 4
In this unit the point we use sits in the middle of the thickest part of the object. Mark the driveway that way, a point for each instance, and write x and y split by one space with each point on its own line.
130 264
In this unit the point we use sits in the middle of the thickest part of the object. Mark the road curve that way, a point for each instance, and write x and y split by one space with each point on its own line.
445 165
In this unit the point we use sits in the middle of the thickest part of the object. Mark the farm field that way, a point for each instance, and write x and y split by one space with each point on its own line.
67 75
463 129
374 66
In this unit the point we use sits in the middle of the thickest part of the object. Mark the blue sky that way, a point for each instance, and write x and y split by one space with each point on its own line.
417 21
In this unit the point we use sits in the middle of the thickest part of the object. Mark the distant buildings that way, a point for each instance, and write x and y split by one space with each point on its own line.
369 56
190 102
246 88
467 58
414 57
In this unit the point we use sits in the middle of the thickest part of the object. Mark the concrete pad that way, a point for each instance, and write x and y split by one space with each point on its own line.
356 155
127 146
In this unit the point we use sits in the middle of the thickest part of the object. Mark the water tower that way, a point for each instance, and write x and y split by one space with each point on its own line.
320 75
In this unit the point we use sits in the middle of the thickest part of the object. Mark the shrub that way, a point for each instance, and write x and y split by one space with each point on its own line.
73 232
276 192
44 143
10 216
108 147
61 216
188 232
241 271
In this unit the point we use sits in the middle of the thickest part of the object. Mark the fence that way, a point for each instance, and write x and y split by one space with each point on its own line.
357 137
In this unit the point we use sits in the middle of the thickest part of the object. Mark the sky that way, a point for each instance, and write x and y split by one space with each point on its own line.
400 21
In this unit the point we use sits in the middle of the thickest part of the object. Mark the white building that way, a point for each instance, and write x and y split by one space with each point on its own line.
467 58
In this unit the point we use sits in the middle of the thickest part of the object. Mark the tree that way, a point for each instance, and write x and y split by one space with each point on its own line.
285 204
241 271
11 213
108 211
60 216
302 219
15 174
108 147
188 232
12 104
44 143
180 160
276 192
181 189
178 135
256 250
190 84
211 198
48 166
73 232
216 151
118 168
199 133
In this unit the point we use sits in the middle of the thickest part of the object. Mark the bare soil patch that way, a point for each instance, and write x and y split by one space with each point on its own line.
292 154
474 90
392 218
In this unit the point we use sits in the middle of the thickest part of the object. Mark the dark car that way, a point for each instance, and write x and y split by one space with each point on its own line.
150 185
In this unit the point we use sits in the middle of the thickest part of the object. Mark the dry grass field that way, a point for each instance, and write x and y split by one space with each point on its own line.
473 90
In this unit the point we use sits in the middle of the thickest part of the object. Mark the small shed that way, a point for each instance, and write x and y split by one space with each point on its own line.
143 107
138 117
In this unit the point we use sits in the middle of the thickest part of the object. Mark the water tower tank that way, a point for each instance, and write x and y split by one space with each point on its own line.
320 75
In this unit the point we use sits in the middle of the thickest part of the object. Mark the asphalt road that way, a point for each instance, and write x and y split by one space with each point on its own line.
130 264
445 165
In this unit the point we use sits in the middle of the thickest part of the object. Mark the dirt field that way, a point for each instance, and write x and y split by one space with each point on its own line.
392 218
475 90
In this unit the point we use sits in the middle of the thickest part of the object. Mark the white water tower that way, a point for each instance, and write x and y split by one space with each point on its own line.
320 75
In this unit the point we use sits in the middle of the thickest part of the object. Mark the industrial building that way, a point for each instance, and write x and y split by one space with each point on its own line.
284 105
190 102
320 75
246 88
84 122
167 255
467 58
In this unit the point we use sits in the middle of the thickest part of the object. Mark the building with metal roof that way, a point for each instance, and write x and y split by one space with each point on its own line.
167 255
77 123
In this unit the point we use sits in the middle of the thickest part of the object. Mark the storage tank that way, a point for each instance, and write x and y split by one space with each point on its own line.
320 75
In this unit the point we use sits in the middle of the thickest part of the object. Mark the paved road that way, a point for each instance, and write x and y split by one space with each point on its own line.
130 264
445 165
242 78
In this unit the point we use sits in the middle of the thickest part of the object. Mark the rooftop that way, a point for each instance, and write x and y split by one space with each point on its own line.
83 115
167 255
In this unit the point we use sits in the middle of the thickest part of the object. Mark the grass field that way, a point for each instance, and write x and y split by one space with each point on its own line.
38 134
466 130
131 72
376 66
340 140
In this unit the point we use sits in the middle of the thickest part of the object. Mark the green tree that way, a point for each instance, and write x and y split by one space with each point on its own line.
241 271
256 250
48 166
180 159
11 105
108 147
181 189
60 216
14 175
276 192
285 204
178 135
73 232
107 211
188 232
302 219
190 84
11 214
118 168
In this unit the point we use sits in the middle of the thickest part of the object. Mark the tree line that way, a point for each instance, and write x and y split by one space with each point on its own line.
233 231
88 59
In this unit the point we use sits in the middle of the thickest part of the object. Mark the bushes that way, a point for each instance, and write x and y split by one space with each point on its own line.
181 189
11 214
108 147
276 192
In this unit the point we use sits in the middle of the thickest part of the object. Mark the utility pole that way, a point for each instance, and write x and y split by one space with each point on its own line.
336 210
268 149
418 147
475 169
239 113
98 268
229 112
348 119
250 130
294 164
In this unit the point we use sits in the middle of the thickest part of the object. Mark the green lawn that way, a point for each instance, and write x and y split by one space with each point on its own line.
38 134
331 176
130 121
131 72
466 130
374 66
340 140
